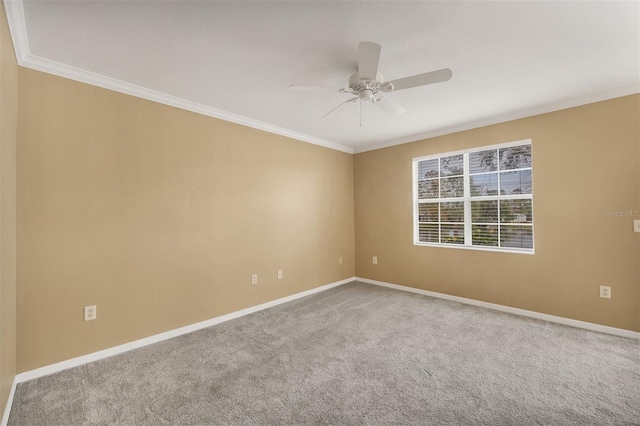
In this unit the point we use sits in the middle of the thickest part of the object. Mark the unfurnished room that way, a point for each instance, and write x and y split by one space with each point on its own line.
319 212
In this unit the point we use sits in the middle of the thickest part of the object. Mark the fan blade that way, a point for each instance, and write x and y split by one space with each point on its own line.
296 88
390 106
347 101
432 77
368 59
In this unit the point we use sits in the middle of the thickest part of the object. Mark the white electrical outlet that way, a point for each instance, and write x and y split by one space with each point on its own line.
636 225
90 313
340 261
254 279
279 274
375 260
605 292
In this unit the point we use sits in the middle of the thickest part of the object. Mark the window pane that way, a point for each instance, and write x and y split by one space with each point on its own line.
452 166
516 236
428 212
496 201
452 234
515 182
515 157
484 184
428 169
515 211
483 161
452 187
485 235
428 188
452 212
429 233
484 211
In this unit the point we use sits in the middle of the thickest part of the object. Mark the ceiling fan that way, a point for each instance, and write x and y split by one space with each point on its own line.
368 85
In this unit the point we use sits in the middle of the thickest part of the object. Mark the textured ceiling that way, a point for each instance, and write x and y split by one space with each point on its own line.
236 59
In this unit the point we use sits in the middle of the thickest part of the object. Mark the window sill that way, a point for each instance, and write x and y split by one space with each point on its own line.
476 248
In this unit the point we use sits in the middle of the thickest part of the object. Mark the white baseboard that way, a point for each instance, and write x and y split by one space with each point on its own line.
7 409
95 356
516 311
85 359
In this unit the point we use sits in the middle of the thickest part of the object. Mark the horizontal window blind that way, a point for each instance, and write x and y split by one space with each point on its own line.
480 198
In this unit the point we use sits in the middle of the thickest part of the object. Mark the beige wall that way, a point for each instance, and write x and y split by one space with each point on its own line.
586 161
160 216
8 125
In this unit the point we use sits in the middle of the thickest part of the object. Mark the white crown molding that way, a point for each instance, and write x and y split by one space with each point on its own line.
17 27
77 74
508 309
516 115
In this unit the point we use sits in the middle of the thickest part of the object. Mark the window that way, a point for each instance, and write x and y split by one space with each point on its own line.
481 198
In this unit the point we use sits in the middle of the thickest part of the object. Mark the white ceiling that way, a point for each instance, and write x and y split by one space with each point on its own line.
236 59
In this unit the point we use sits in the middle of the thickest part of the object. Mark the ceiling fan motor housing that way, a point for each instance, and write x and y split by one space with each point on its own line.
367 89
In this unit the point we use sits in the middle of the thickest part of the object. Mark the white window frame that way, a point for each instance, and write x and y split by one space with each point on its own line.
466 199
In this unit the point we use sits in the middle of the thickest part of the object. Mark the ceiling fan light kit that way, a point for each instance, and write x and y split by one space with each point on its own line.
368 85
